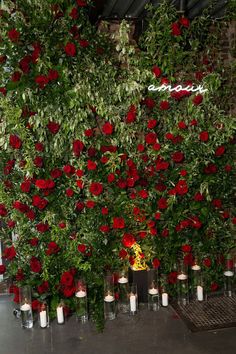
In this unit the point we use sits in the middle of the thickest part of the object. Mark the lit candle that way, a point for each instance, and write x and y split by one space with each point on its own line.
196 267
164 298
153 291
200 293
81 293
123 280
109 298
132 300
60 315
25 307
43 318
182 276
229 273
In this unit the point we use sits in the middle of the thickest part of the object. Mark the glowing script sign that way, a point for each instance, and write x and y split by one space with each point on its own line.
178 88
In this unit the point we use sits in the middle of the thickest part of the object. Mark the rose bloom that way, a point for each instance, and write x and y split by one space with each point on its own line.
118 223
149 102
41 81
3 210
182 125
69 192
181 187
69 170
9 253
207 262
186 248
162 203
152 123
39 147
90 204
123 253
156 263
91 165
104 211
79 206
128 240
81 3
82 248
78 147
25 186
53 127
151 138
165 232
178 157
175 30
41 227
70 49
35 265
204 136
143 194
197 100
74 13
198 197
104 228
15 142
164 105
53 75
220 151
88 132
156 71
34 241
96 188
184 22
67 279
13 35
107 128
16 76
2 269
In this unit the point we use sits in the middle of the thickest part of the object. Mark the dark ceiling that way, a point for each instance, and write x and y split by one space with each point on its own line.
135 9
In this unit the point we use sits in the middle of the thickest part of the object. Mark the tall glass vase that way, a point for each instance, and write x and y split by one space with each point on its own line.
133 299
197 285
123 289
182 282
109 298
81 300
164 291
153 290
26 307
229 277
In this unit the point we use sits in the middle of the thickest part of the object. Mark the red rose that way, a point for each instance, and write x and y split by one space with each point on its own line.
220 151
67 279
181 187
123 254
107 128
210 168
83 43
3 59
152 123
79 206
56 173
96 188
91 165
90 204
164 105
178 157
156 263
43 287
74 13
182 125
25 186
69 192
41 81
39 147
156 71
38 161
149 102
9 253
13 35
35 305
2 269
52 75
45 183
88 133
198 197
131 117
53 248
197 100
70 49
3 90
20 275
16 76
143 194
217 203
214 286
228 168
162 203
128 240
118 223
69 170
81 3
175 30
186 248
69 292
53 127
3 210
39 202
104 211
104 228
172 277
204 136
184 22
206 262
11 224
78 147
41 227
15 142
151 138
82 248
165 233
34 241
35 265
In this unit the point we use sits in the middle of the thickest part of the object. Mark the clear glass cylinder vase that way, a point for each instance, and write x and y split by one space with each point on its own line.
229 277
60 313
153 290
133 299
197 285
123 291
164 291
182 283
26 307
109 298
81 301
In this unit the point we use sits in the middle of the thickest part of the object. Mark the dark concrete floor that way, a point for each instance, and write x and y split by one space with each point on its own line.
147 333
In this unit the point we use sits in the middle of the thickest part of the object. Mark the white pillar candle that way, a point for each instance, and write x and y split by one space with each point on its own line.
132 301
200 293
153 291
182 277
109 298
25 307
81 293
43 319
60 315
164 299
229 273
123 280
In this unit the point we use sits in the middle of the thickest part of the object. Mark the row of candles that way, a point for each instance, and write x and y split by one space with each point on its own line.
126 295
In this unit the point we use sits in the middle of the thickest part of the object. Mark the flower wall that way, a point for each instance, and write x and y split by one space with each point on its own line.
98 173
